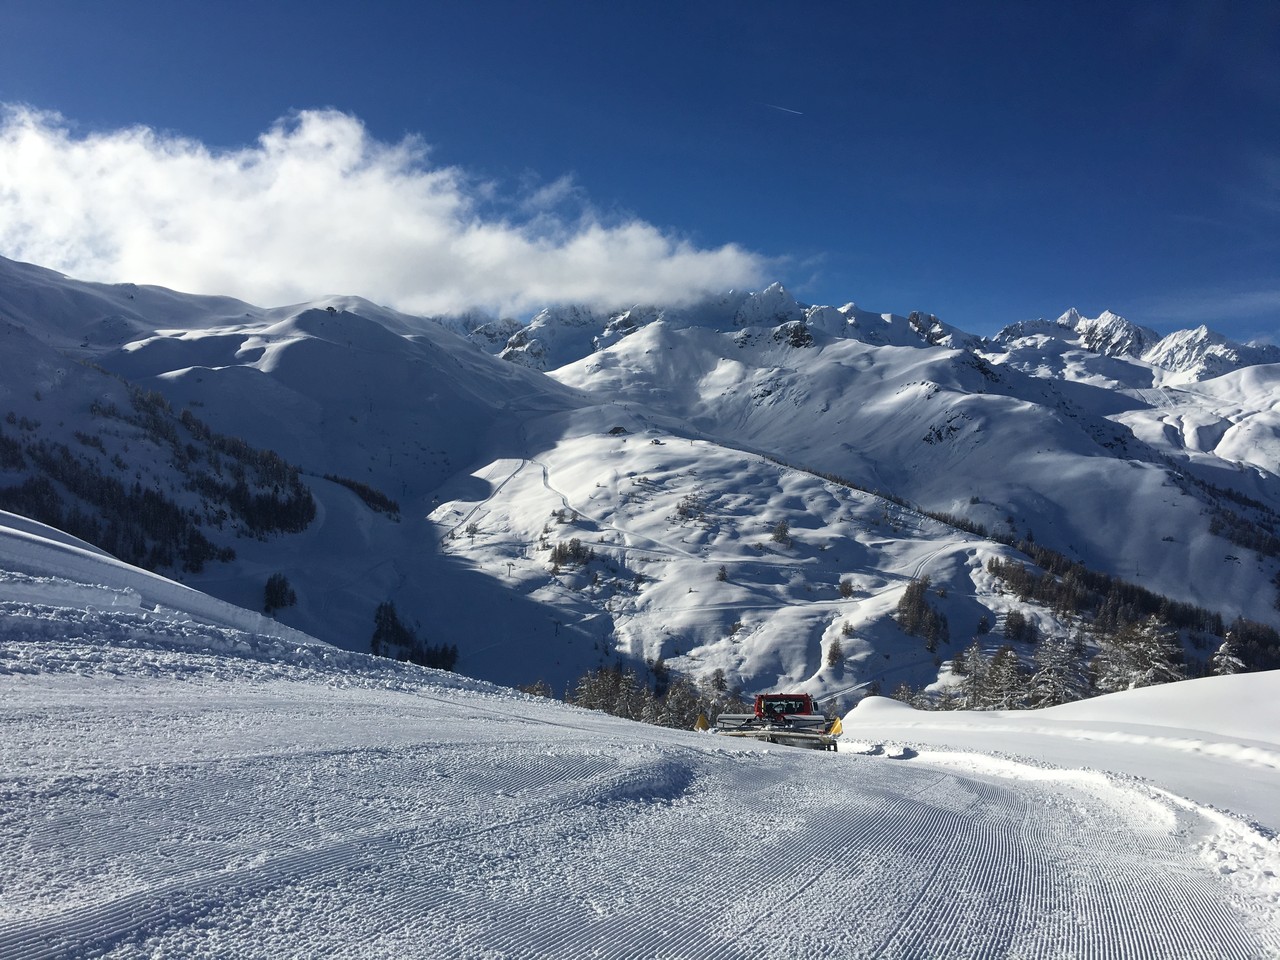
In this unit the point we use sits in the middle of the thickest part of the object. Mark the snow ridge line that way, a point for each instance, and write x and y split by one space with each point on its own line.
50 638
48 563
1246 753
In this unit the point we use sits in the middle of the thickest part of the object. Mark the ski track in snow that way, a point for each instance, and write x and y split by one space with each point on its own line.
157 800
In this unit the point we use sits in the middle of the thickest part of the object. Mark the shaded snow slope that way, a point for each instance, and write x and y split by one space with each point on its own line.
173 787
39 564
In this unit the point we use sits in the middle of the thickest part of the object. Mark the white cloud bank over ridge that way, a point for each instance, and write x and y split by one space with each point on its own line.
316 207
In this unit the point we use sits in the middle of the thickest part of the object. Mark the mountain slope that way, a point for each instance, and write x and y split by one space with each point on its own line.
959 433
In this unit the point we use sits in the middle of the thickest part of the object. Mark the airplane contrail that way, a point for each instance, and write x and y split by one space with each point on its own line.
798 113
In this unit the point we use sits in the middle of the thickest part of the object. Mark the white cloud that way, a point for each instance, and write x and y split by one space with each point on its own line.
315 207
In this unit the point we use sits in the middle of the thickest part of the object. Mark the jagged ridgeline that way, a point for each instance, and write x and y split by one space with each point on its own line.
147 483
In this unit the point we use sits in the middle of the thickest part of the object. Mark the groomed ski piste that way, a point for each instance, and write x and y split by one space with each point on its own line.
180 778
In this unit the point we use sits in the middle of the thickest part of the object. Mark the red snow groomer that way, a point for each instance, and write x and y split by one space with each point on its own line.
787 718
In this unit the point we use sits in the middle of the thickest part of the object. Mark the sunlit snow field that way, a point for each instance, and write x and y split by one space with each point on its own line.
179 778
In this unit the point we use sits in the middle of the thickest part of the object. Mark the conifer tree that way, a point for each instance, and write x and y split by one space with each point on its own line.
1226 660
391 638
1059 676
1141 654
835 653
1003 689
973 666
681 706
628 699
278 593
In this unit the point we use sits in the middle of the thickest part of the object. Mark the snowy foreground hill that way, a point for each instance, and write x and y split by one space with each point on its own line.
182 778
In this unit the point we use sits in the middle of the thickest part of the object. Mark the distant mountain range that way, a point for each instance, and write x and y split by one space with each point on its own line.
1186 356
720 468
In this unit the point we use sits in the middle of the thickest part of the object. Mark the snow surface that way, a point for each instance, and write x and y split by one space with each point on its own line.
177 779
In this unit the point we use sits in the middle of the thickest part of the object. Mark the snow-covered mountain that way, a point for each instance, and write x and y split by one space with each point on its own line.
986 432
715 464
1182 357
1107 334
185 778
1200 354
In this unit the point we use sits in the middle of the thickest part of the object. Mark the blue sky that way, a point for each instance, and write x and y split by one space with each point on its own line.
986 162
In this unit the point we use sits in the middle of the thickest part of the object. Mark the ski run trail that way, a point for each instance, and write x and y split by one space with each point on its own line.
173 784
